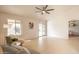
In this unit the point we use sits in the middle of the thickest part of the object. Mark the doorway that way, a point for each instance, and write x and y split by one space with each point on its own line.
74 28
42 29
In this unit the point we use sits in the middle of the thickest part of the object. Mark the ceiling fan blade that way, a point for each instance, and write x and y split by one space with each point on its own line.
47 12
37 8
45 6
49 9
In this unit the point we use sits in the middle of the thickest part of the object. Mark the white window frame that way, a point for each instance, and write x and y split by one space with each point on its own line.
12 25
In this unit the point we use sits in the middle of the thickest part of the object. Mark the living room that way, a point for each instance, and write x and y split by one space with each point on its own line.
40 31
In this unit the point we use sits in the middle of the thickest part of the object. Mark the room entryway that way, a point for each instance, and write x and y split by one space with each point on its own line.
74 28
42 29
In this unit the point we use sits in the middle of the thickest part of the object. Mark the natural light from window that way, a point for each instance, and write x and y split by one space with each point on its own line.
14 27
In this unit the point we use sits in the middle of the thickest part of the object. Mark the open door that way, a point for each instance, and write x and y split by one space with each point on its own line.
74 28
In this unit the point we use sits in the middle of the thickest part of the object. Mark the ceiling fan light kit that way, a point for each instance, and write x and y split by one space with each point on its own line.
44 10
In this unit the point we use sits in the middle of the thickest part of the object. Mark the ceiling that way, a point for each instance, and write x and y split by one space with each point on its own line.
26 10
18 9
22 10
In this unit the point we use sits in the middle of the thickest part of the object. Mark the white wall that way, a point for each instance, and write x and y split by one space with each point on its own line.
26 32
57 23
72 13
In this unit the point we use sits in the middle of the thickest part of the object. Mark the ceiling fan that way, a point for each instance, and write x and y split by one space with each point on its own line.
44 10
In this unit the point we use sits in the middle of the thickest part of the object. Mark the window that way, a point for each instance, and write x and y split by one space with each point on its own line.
14 27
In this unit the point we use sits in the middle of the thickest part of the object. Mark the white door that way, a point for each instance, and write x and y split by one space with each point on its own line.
42 30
